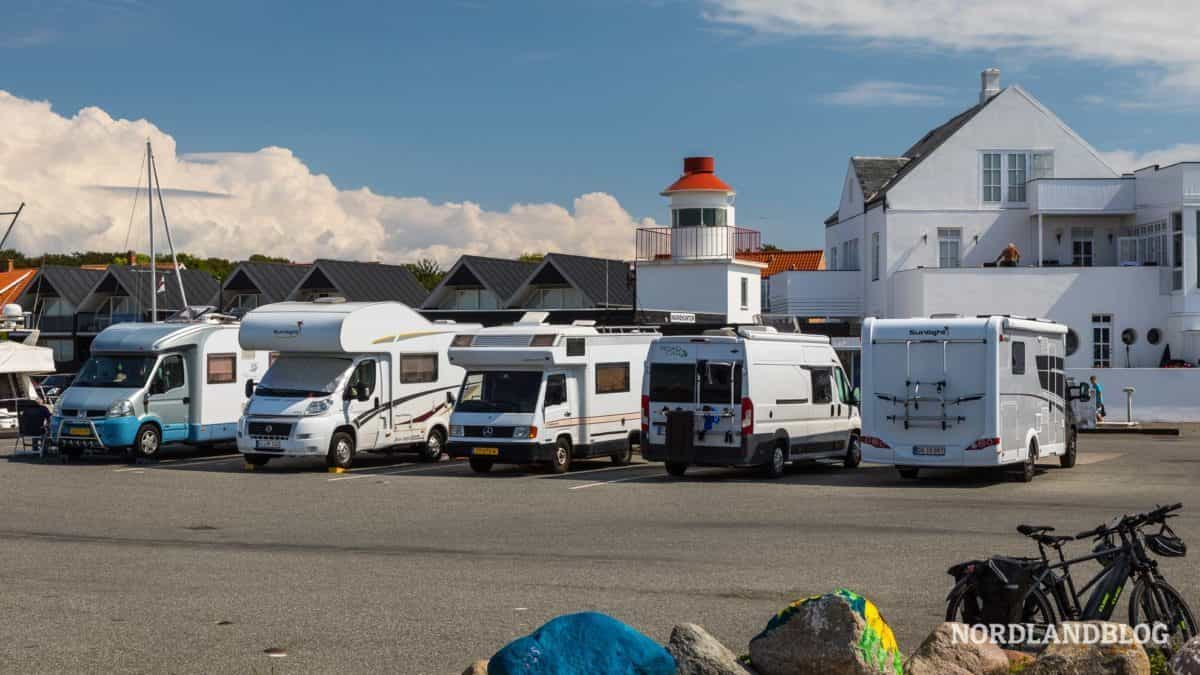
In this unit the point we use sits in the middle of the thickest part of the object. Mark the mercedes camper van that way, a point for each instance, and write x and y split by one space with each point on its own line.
347 377
152 383
749 396
952 392
541 393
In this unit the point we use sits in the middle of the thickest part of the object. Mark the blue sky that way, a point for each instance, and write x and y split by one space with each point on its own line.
501 103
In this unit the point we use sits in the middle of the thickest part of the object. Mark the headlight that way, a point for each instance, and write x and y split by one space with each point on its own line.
318 407
457 430
524 432
122 408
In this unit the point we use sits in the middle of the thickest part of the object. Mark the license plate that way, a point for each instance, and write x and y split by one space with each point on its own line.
488 452
269 444
79 431
929 450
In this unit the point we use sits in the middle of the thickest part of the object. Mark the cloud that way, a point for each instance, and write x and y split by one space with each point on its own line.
1116 32
1128 160
873 93
76 175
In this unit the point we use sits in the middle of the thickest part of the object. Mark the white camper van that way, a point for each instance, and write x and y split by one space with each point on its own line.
152 383
347 377
749 396
543 393
950 392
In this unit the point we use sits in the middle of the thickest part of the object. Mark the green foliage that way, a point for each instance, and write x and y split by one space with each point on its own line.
218 267
770 248
531 257
1159 665
427 271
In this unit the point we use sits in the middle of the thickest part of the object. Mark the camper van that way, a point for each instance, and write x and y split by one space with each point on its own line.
749 396
347 377
950 392
550 394
147 384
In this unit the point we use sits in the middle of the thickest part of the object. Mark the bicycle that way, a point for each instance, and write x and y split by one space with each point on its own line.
1044 591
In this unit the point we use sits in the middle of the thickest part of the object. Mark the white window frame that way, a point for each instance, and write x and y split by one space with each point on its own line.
1009 195
1175 237
1090 239
1102 328
984 184
874 256
949 235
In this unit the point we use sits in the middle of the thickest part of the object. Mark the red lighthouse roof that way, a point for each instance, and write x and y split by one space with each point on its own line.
698 175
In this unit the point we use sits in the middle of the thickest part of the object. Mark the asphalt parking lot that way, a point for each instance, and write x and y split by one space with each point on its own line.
195 565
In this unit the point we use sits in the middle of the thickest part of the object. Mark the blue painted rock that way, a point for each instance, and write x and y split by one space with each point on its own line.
588 643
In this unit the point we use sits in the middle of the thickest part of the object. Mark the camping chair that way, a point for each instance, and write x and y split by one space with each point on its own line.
33 425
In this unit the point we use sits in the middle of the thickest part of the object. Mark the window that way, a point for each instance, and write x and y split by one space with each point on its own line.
1102 340
612 378
874 256
822 385
1016 176
720 382
745 291
949 246
850 254
833 263
362 379
576 346
64 349
418 368
699 218
169 375
222 368
556 390
554 297
243 302
843 386
672 383
1177 251
1043 165
1198 249
1018 358
991 177
1081 246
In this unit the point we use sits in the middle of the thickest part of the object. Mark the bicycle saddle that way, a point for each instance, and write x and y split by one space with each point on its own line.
1030 530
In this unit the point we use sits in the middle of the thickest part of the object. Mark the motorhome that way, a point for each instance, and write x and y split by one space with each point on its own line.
347 377
750 396
20 360
549 394
951 392
147 384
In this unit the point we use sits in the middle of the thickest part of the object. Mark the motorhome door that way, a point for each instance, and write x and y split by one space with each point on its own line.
556 402
362 399
168 398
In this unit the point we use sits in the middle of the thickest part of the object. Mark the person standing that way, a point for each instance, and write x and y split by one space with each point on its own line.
1099 394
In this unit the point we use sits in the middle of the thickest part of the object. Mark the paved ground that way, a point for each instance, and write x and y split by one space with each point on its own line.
194 565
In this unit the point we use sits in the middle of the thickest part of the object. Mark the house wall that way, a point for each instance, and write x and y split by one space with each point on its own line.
1160 394
823 293
852 197
700 287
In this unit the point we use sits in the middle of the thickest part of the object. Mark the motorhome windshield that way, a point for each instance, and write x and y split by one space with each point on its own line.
116 371
673 382
720 382
500 391
303 376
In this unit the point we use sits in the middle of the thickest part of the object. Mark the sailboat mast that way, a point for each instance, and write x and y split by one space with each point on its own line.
153 266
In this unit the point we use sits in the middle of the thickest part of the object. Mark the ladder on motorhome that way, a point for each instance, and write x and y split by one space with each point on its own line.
914 395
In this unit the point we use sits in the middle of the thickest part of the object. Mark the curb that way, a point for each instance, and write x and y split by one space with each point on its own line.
1157 431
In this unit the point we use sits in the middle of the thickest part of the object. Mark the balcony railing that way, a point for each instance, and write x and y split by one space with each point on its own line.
696 243
94 323
54 324
1082 195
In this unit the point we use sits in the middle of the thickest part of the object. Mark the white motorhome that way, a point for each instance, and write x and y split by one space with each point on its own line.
540 393
152 383
750 396
347 377
951 392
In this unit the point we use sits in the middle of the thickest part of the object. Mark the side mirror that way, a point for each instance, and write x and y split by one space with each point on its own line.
249 388
449 398
361 394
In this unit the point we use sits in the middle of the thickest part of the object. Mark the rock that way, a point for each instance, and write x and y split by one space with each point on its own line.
477 668
1187 660
1068 653
588 642
698 653
953 649
836 634
1018 659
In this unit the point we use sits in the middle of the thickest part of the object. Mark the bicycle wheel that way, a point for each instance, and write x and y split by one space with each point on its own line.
1156 603
966 606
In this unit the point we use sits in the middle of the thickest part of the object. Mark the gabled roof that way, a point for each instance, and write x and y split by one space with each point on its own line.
786 261
368 281
604 282
274 281
501 276
201 287
13 283
71 283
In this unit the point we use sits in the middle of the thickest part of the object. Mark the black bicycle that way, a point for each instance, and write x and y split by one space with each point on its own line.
1040 591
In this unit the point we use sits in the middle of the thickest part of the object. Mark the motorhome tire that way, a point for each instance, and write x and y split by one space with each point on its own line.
1067 460
147 442
677 469
777 462
624 456
909 472
257 460
560 459
480 465
432 450
1028 468
853 452
341 451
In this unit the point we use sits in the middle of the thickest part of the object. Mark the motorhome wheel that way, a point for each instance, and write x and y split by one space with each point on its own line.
774 468
560 461
624 456
853 452
1028 467
432 450
1067 460
481 465
677 469
341 451
146 443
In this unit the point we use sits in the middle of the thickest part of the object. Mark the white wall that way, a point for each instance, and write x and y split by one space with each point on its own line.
852 197
823 293
702 287
1161 394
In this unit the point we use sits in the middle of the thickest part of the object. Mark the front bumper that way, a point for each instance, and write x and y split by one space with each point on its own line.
306 437
507 452
94 433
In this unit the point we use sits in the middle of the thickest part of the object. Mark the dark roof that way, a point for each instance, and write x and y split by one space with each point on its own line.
274 281
916 154
591 275
201 287
72 283
372 282
874 173
500 275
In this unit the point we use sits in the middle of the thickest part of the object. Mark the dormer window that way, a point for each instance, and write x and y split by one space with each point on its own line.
1004 174
698 218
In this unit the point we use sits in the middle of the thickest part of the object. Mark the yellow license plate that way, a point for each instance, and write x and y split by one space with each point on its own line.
485 451
79 431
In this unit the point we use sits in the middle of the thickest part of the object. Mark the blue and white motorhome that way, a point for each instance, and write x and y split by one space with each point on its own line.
147 384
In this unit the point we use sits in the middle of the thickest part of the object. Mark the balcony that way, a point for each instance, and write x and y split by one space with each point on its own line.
816 294
55 324
92 322
1097 196
695 243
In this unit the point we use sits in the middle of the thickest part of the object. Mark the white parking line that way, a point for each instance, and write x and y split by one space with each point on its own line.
188 461
606 482
130 468
608 468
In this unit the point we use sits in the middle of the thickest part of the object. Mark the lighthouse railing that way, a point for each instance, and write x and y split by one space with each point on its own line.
701 243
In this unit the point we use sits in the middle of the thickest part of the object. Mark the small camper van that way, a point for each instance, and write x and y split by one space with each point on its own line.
540 393
152 383
347 377
958 392
749 396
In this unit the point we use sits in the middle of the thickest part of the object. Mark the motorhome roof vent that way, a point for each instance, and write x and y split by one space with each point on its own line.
583 322
723 332
330 300
946 315
533 318
746 330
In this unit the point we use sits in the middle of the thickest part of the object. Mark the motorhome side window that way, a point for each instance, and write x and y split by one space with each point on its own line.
822 385
556 390
612 378
843 386
222 368
170 374
1018 358
418 368
720 382
673 382
362 379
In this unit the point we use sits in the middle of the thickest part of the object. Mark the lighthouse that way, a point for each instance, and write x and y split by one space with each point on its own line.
690 272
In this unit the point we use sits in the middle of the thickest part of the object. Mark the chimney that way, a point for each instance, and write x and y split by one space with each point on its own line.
693 165
989 84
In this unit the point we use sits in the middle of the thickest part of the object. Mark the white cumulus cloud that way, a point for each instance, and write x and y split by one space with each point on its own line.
1128 160
76 174
875 93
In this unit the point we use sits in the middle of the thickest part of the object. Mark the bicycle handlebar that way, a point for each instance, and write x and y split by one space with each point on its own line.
1158 515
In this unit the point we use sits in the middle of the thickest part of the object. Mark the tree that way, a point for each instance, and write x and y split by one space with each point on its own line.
427 271
531 257
769 248
259 257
